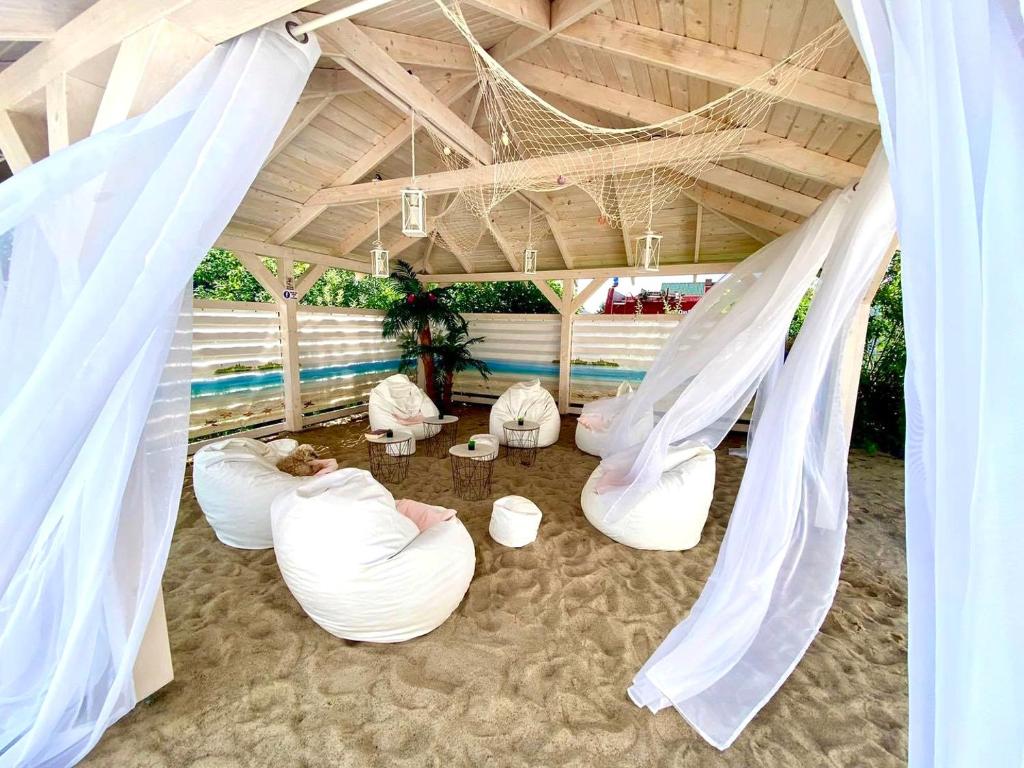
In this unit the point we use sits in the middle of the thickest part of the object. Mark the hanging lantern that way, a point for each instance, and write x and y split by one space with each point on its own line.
414 201
530 253
414 213
648 249
530 261
379 255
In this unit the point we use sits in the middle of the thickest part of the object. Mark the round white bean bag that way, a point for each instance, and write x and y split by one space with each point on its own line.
534 403
235 481
397 403
514 521
359 568
671 515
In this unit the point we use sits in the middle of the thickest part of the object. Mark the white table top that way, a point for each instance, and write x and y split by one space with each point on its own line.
441 420
400 436
526 426
483 452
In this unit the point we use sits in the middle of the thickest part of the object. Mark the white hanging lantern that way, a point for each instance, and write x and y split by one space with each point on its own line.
530 261
530 253
648 248
414 201
414 213
380 257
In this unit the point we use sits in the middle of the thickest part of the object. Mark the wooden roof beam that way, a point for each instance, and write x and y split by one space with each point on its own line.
599 273
236 243
773 151
108 22
819 91
564 13
734 209
533 14
545 167
360 53
770 150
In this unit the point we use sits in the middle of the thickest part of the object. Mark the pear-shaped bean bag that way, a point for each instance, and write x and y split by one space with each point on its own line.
362 570
593 424
397 403
534 403
235 481
671 515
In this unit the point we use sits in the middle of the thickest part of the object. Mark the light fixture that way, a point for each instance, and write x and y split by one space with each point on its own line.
379 255
414 201
530 253
648 249
648 245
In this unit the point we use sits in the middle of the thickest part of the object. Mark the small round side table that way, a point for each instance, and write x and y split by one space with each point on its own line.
521 442
440 432
389 456
471 470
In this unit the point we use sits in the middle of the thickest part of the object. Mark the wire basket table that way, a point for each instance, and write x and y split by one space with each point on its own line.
471 470
389 456
440 434
521 442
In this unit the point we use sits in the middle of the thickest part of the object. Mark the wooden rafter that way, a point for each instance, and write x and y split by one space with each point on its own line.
603 273
540 168
815 90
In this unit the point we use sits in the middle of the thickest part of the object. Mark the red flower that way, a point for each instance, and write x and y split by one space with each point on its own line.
410 298
432 297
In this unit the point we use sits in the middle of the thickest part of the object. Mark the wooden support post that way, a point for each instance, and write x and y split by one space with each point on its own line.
58 131
287 307
696 234
565 346
284 290
153 669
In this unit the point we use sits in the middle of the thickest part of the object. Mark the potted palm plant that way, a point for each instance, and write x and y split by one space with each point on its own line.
451 354
416 317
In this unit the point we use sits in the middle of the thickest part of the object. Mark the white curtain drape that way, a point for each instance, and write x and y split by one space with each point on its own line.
948 78
714 360
778 566
102 238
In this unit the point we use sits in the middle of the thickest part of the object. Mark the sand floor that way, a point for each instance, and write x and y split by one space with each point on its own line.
532 668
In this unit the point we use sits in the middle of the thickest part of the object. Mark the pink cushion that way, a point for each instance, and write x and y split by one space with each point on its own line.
408 421
424 515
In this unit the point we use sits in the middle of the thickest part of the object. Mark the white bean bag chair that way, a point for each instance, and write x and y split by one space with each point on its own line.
235 481
359 568
534 403
396 400
514 521
671 515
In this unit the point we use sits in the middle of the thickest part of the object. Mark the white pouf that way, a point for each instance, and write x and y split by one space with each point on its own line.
398 398
534 403
671 515
359 568
514 521
235 481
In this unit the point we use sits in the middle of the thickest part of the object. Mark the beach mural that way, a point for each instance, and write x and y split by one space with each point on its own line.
237 372
606 350
610 349
238 382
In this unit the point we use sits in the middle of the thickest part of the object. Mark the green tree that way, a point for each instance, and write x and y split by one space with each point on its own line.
520 297
222 277
881 420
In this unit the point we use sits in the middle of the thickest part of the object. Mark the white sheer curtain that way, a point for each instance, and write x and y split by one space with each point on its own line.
712 363
948 79
103 238
778 567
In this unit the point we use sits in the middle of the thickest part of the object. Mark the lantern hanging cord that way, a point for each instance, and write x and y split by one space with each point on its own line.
412 122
